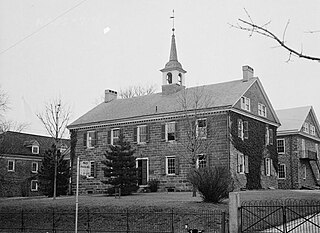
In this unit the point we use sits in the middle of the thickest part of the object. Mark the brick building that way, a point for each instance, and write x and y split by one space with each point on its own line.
298 140
21 156
159 127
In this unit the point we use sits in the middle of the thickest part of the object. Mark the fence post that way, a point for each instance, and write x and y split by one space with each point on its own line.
172 221
223 222
22 221
53 222
284 218
234 212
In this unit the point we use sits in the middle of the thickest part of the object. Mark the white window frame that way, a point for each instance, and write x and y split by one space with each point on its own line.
284 147
89 139
284 171
240 164
112 136
167 131
139 136
37 167
31 186
201 163
91 175
306 127
201 131
87 172
13 165
36 152
304 171
268 166
245 103
312 130
167 165
240 128
262 110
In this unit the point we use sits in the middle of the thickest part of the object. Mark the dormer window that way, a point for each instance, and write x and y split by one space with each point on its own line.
35 149
169 78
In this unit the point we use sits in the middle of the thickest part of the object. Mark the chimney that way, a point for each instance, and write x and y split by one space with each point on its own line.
247 73
109 95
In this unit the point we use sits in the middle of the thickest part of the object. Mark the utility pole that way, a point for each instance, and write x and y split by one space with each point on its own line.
56 152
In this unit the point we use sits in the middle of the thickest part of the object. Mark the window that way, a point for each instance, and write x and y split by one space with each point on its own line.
267 167
245 103
35 149
171 165
169 78
303 148
34 185
240 163
91 139
280 146
88 169
115 133
243 131
11 164
201 161
282 171
92 169
304 171
269 136
180 79
168 131
306 127
262 110
34 167
312 130
142 134
201 128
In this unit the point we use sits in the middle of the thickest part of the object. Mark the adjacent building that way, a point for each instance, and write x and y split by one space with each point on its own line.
298 140
165 126
21 156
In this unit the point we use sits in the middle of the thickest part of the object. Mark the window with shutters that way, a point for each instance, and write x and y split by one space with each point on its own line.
170 165
115 134
281 171
201 161
245 103
201 128
267 167
142 134
91 139
280 146
241 164
243 129
269 136
168 131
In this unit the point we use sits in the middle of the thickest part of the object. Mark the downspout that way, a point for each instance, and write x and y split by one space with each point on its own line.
228 140
291 163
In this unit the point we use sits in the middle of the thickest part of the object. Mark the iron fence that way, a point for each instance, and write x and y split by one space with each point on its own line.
280 216
160 221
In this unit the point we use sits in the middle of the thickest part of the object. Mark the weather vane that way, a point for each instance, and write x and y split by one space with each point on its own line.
172 17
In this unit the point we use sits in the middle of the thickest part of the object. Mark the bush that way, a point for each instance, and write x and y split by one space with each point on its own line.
153 185
213 183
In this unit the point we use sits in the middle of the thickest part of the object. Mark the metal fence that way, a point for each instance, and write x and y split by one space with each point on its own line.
128 221
280 216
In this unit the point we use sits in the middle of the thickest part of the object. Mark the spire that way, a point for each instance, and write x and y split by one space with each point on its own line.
173 50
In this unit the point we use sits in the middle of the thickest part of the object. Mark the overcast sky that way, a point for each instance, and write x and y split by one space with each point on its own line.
76 49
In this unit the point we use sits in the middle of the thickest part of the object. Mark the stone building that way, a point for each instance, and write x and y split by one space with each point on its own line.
298 140
21 156
162 127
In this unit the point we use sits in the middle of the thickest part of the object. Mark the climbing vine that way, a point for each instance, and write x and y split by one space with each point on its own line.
253 147
73 143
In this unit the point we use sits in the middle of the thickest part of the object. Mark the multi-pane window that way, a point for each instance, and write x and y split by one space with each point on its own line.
245 103
240 163
168 131
243 131
306 127
142 134
34 185
312 130
282 171
202 128
34 167
267 166
171 165
201 161
88 168
115 134
280 146
35 149
269 136
92 169
91 139
11 165
262 110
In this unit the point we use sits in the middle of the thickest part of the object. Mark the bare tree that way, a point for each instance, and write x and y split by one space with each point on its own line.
4 101
252 27
55 119
134 91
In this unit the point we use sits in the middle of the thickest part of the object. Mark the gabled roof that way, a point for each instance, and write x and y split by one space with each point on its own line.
16 143
292 119
222 95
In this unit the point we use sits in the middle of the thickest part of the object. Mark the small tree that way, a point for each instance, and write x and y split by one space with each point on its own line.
47 170
120 167
213 183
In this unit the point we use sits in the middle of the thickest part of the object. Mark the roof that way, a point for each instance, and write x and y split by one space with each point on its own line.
19 143
292 119
221 95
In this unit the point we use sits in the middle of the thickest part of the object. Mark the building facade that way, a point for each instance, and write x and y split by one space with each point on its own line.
21 157
178 129
298 141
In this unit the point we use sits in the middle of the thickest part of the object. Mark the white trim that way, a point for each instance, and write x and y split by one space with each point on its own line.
262 107
250 115
198 160
284 146
36 189
171 174
21 158
111 138
13 166
145 158
37 167
89 145
197 128
293 132
138 134
35 147
268 166
166 131
285 171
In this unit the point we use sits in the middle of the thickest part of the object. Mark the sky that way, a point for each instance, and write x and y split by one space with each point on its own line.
76 49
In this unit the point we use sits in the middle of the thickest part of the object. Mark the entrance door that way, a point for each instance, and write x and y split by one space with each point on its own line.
142 171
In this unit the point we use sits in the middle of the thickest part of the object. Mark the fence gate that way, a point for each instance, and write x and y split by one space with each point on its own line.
280 216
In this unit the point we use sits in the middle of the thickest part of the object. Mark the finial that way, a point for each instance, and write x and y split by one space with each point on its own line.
172 17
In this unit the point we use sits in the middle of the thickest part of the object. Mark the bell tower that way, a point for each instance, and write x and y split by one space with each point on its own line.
173 75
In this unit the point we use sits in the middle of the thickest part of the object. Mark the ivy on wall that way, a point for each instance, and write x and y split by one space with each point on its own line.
73 143
253 147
